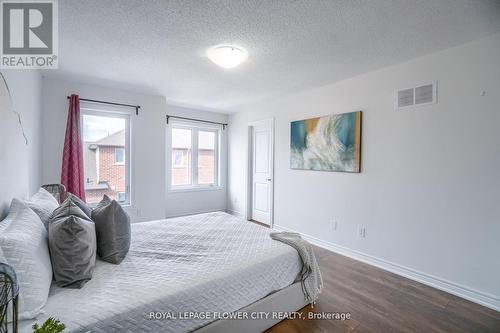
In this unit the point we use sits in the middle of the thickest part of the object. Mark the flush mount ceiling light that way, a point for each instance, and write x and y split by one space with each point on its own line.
227 56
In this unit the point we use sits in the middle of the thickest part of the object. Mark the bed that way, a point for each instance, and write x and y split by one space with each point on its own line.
211 264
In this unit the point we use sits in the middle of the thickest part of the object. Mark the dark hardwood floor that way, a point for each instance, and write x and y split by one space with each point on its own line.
380 301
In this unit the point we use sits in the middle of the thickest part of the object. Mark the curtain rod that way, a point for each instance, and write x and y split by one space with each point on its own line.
136 107
198 120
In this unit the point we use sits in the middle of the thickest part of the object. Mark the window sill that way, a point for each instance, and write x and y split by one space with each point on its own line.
195 189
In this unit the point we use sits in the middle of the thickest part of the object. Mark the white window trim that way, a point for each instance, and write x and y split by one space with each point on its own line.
122 114
195 127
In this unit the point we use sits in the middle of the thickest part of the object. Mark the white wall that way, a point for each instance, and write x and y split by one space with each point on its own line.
19 163
148 149
429 189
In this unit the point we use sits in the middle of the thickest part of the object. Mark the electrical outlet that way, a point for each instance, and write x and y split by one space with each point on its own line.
362 232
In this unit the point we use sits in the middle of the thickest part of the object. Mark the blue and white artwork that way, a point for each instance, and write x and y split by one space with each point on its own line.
330 143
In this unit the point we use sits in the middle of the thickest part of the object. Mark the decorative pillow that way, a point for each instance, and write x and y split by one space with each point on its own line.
43 204
23 245
112 225
80 203
104 202
72 243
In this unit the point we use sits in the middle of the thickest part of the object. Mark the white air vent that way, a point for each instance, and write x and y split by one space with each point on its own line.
417 96
405 97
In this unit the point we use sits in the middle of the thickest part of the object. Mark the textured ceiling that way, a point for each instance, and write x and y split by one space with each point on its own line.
159 47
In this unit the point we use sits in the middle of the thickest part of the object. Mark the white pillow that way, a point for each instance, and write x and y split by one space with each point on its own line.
43 204
24 246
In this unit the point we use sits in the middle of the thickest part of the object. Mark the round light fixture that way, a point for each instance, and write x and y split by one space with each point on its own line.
227 56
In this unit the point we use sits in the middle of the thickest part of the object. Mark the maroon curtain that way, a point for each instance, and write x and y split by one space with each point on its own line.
72 162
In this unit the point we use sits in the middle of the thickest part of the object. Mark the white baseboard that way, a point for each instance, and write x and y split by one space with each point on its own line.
196 212
488 300
235 213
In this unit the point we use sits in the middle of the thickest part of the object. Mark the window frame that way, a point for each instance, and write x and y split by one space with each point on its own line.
119 113
195 128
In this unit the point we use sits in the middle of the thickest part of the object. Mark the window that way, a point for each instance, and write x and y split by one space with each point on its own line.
195 156
177 158
106 149
122 197
206 157
181 144
119 156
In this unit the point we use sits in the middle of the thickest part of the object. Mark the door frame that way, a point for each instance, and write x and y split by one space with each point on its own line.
249 170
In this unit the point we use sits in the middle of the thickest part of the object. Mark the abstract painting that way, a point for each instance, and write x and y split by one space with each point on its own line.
330 143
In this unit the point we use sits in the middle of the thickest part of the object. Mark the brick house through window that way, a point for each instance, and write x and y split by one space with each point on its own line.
104 163
181 166
206 166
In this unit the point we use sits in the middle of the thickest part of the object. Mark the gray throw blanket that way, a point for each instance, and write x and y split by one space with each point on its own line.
310 275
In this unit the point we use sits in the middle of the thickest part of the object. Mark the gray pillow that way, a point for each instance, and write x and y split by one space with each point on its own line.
82 205
112 225
105 201
43 204
72 243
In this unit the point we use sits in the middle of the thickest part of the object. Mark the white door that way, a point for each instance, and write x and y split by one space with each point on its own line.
262 171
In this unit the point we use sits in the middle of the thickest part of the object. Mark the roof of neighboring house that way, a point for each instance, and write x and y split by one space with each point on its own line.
98 187
116 139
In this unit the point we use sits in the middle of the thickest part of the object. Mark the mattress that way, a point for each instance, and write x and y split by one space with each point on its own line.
208 264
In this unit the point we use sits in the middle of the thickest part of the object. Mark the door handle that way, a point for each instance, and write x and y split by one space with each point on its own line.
268 179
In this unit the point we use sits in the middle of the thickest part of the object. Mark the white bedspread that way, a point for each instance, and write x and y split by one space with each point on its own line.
207 262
